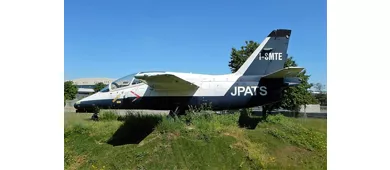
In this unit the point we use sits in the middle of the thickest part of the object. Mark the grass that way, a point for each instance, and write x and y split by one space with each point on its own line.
195 141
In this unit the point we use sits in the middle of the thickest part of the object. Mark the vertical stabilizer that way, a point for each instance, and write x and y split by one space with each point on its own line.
270 56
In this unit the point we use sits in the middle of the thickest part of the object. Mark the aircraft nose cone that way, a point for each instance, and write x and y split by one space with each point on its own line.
76 105
82 106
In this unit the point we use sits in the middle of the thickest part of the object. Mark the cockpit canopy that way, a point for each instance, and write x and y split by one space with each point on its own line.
128 80
121 83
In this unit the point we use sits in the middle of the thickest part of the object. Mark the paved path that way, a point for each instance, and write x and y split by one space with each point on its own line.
165 112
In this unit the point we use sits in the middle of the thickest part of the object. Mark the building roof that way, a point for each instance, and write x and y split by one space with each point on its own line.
92 81
85 90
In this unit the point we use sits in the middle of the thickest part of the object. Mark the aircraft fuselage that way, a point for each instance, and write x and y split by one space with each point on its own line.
260 80
221 92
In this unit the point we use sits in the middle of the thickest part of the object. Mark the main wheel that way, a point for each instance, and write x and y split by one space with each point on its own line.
181 112
174 113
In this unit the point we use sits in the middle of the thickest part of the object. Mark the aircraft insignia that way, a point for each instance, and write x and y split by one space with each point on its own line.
136 96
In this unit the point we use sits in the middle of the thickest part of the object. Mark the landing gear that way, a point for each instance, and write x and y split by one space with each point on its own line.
95 116
173 113
176 112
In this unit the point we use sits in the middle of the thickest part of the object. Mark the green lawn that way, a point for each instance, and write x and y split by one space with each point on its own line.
193 142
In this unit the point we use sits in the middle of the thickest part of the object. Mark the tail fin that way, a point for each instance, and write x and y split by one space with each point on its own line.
270 56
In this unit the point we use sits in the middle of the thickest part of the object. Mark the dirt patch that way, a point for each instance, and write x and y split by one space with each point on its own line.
79 160
172 136
148 141
293 149
290 154
190 127
238 134
99 143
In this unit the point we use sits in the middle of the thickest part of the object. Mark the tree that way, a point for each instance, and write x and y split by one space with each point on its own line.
319 87
321 97
238 57
295 97
70 90
99 86
292 97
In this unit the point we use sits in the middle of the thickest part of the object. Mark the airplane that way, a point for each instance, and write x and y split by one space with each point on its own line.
259 81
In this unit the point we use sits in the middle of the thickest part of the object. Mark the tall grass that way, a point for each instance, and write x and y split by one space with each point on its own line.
198 140
108 115
295 133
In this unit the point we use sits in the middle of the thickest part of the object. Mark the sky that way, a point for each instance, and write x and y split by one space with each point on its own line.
112 39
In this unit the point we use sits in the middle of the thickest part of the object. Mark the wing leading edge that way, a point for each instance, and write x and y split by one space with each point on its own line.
286 72
166 81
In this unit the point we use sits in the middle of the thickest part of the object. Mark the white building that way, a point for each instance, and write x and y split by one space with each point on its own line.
85 85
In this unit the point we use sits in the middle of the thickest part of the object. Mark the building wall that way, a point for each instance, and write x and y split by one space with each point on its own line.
311 108
91 81
86 85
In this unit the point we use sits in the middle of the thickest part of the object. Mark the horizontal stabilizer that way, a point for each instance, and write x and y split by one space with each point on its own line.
165 81
286 72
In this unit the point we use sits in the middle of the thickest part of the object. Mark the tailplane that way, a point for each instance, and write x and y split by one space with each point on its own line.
269 56
285 73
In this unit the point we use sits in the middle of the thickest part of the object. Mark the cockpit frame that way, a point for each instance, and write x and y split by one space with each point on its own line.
121 83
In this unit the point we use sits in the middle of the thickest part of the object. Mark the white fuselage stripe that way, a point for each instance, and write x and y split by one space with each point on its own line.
251 58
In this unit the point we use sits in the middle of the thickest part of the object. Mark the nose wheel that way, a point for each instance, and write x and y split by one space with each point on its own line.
95 116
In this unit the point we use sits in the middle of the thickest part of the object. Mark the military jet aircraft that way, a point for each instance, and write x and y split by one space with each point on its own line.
259 81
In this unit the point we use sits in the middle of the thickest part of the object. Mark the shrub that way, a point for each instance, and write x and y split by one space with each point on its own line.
108 115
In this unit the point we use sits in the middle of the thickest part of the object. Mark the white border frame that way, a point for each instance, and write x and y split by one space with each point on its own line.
32 54
32 48
357 45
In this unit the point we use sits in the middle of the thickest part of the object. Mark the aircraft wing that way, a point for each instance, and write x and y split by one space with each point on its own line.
286 72
166 81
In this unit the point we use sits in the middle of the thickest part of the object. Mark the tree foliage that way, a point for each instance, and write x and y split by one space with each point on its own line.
292 97
99 86
238 57
319 87
70 90
321 97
